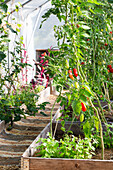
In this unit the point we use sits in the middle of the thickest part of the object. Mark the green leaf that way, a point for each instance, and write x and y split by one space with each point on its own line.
2 56
88 89
0 21
43 113
110 1
63 123
86 93
96 121
83 98
63 129
98 10
12 30
76 106
4 7
59 98
85 35
86 128
85 27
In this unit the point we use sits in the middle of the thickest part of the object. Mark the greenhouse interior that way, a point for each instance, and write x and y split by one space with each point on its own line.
56 84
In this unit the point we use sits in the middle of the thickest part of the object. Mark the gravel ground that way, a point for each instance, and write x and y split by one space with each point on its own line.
10 168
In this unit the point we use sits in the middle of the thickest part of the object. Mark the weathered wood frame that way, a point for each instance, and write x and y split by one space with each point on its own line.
31 149
2 125
35 163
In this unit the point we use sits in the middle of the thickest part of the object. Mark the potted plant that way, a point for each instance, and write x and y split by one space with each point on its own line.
75 67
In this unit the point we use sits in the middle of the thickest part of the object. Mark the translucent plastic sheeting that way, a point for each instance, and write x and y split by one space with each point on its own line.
30 16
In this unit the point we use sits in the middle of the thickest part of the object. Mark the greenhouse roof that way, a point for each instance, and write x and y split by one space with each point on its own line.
28 5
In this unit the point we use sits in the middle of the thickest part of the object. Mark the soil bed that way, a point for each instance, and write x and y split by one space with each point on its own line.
108 154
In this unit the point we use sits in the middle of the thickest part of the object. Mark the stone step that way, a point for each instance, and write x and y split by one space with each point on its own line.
9 158
10 167
22 132
13 148
48 108
36 119
29 126
9 136
13 142
47 112
8 154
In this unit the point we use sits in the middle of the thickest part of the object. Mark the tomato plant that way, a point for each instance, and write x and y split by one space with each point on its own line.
80 63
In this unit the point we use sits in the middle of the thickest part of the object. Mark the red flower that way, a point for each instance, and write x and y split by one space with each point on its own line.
77 26
43 54
82 63
110 32
106 44
83 107
88 39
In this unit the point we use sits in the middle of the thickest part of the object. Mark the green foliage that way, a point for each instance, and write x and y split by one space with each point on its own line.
16 102
21 103
84 43
68 147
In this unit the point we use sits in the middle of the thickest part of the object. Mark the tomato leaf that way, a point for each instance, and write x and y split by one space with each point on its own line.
76 106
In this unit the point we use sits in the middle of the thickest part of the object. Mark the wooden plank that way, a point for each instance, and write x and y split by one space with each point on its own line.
62 164
2 126
31 149
68 164
24 164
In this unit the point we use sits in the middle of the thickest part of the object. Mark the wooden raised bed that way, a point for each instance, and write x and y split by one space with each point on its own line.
2 125
28 162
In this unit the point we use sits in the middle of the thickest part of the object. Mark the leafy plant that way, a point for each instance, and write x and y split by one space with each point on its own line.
20 104
16 102
75 65
68 147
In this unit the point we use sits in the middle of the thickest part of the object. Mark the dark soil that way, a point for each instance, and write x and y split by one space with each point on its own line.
108 155
10 167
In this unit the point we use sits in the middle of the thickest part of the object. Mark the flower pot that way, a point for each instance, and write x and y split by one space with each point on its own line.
44 94
53 90
28 162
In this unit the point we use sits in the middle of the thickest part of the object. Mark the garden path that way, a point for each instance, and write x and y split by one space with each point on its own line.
14 142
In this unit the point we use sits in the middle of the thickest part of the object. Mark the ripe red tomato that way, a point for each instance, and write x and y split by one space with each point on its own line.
110 32
109 66
75 72
111 70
